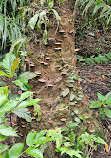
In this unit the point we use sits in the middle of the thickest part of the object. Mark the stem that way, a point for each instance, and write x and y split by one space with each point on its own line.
11 84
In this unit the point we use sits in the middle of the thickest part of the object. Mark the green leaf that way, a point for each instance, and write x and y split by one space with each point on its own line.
16 150
101 97
5 154
108 96
23 113
76 111
3 95
65 92
8 106
57 18
107 112
29 103
34 152
30 139
70 152
40 134
2 83
8 62
45 37
50 4
4 74
28 75
7 131
37 110
2 138
24 96
3 147
14 66
77 119
18 41
96 104
33 21
22 83
99 140
2 118
43 140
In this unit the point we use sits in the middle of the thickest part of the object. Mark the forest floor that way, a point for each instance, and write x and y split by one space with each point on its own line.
94 78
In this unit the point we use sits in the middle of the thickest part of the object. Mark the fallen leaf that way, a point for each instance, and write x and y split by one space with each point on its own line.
106 147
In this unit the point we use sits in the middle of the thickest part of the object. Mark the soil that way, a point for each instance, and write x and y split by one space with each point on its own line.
54 67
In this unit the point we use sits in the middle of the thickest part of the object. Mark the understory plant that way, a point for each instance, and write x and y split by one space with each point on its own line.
103 105
100 59
98 9
40 19
10 64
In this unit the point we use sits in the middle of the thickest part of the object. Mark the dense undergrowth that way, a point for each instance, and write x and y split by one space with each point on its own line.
15 16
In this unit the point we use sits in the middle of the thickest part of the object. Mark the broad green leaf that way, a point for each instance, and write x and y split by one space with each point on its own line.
28 103
5 154
4 74
101 97
34 152
14 66
65 92
2 138
108 96
33 21
77 119
107 112
40 134
8 106
43 140
60 1
3 147
30 139
37 110
23 113
72 125
3 95
2 118
22 83
8 62
99 140
108 102
28 75
2 83
45 37
16 150
7 131
24 96
96 104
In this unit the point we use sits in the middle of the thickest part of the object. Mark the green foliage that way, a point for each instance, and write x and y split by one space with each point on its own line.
97 9
10 21
103 105
41 18
100 59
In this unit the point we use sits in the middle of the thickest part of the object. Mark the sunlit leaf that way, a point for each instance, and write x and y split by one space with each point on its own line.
34 152
7 131
16 150
3 147
30 139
